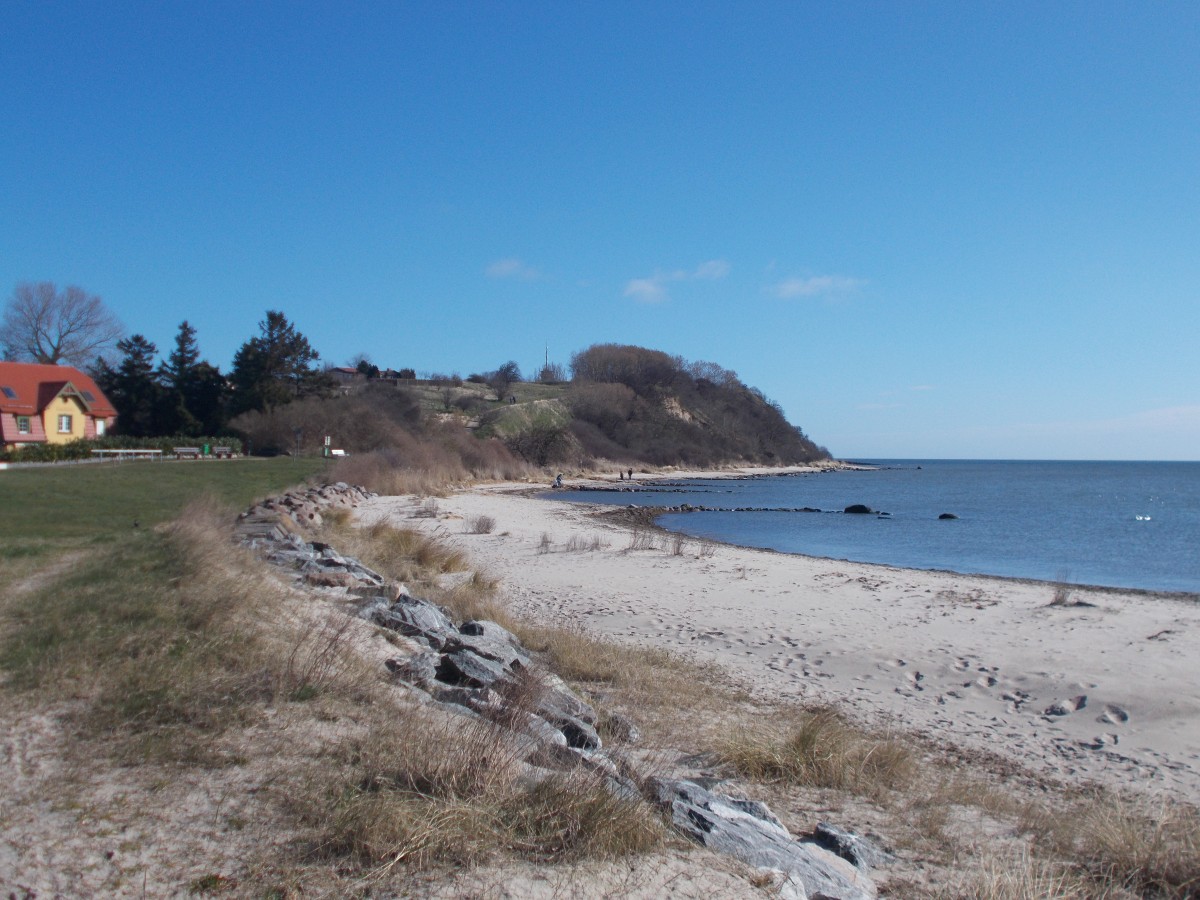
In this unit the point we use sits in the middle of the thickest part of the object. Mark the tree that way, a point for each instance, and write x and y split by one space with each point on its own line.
196 387
275 368
182 362
503 378
552 373
45 325
543 442
143 406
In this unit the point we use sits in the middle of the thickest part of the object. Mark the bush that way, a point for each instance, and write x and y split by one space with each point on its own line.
377 416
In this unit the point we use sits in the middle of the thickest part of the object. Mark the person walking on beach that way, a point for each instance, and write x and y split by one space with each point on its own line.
631 474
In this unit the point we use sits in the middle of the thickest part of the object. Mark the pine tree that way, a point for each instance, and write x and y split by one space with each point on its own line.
143 407
196 388
274 368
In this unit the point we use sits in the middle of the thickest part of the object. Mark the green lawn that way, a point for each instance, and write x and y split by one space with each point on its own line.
62 506
88 588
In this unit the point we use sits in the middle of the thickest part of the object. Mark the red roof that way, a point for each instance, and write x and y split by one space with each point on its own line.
33 386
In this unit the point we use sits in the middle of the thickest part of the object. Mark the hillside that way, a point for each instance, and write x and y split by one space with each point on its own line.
623 404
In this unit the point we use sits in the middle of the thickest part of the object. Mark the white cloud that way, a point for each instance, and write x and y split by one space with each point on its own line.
647 290
815 286
712 270
512 268
654 288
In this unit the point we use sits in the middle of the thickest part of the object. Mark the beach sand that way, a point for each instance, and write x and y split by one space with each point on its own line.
1104 692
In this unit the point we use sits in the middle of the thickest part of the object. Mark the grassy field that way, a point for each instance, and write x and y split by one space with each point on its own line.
59 507
73 555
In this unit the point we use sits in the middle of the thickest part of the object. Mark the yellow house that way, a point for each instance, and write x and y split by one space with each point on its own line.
50 405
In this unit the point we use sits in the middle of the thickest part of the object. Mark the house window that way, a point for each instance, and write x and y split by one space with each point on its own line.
64 424
23 425
99 428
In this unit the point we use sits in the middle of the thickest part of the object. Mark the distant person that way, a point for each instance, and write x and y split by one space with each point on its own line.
558 480
621 474
631 474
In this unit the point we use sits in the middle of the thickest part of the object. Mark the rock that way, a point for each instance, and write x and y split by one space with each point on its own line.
415 618
545 732
419 669
474 698
464 667
559 699
621 728
489 645
330 579
579 734
858 509
947 516
749 831
851 847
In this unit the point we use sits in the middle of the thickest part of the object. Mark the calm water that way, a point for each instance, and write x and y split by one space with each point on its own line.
1121 524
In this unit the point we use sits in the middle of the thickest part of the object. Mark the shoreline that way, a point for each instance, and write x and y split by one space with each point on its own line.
1078 693
599 484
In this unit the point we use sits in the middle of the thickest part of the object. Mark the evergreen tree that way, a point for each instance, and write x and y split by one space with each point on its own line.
181 364
196 388
274 368
204 397
143 407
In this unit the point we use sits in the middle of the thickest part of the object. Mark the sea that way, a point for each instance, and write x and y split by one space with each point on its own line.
1114 524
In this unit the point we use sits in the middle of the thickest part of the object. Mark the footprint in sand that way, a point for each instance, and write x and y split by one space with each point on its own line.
1113 715
987 681
1065 707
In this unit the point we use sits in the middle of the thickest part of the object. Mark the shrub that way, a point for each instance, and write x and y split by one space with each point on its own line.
480 525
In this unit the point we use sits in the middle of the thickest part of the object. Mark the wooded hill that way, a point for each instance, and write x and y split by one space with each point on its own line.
622 403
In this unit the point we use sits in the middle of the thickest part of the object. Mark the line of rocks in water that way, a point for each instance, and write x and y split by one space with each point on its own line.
478 669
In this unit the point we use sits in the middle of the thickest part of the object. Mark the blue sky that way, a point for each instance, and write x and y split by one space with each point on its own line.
926 229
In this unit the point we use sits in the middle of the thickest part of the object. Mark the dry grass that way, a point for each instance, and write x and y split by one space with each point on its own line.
641 538
1153 848
822 750
676 544
425 789
479 525
401 554
579 544
1025 877
427 510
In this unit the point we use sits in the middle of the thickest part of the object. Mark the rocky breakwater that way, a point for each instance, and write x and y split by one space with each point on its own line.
480 670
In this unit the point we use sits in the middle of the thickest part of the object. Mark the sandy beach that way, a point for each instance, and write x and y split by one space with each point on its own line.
1101 691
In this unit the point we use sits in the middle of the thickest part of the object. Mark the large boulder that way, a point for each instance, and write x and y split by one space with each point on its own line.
414 618
747 830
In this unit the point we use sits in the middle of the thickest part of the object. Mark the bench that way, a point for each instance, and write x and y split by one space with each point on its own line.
127 454
223 452
187 452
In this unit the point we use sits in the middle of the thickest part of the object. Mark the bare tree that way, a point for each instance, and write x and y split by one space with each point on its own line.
503 378
46 325
552 373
